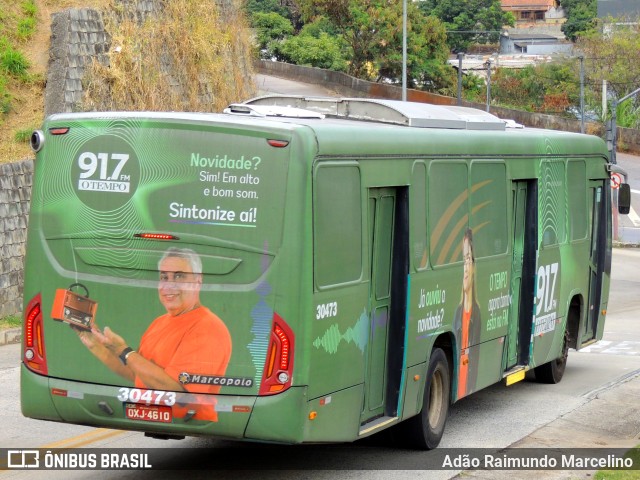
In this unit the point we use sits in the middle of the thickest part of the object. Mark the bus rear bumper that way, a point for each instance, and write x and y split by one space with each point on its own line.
276 418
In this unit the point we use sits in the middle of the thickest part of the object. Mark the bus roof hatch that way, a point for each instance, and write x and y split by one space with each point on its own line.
412 114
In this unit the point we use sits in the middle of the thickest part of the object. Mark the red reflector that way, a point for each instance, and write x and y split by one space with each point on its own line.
241 409
59 392
156 236
278 143
59 131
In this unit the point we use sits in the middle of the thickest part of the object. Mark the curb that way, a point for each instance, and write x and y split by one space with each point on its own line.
12 335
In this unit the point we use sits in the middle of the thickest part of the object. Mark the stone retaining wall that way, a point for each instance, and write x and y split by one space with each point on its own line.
15 194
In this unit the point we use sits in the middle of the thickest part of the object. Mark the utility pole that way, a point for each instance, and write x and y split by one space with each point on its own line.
488 83
404 50
460 57
581 57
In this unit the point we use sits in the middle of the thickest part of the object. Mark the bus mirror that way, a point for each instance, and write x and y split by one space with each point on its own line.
624 198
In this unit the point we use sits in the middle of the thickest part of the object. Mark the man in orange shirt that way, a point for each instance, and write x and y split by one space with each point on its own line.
188 339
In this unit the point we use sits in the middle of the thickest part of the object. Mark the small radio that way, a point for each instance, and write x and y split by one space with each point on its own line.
74 309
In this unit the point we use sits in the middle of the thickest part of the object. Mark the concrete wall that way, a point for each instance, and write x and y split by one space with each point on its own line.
15 194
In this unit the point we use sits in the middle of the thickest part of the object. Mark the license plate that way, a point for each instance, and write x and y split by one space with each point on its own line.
148 413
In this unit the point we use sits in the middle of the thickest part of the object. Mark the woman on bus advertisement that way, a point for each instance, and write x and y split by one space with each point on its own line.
189 340
467 320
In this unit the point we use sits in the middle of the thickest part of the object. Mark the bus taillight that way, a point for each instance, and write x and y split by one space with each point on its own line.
278 367
34 353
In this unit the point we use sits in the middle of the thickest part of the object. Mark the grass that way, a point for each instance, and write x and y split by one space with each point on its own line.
634 453
12 321
207 58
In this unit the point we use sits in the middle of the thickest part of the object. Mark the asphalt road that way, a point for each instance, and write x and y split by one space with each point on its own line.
596 405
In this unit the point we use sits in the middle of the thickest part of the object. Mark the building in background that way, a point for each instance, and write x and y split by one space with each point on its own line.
530 13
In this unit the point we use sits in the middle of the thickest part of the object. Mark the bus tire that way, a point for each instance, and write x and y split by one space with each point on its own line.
553 371
425 430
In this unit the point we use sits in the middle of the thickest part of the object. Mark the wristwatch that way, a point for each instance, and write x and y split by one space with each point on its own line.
124 355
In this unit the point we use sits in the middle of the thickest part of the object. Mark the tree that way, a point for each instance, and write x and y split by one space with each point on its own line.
581 17
322 51
270 27
267 6
611 57
549 88
427 54
372 31
469 21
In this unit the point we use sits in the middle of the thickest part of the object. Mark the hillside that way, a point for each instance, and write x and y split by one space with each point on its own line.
27 104
201 71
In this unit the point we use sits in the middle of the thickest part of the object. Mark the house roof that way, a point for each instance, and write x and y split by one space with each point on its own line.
527 4
532 36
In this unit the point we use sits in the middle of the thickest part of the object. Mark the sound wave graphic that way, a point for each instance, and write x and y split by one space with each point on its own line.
358 335
261 314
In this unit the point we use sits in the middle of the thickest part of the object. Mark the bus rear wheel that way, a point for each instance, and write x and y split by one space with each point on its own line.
553 371
425 430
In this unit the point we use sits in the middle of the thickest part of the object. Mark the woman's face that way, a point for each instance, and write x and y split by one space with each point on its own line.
467 279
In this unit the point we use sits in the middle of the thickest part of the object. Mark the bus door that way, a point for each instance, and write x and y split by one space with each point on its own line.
387 301
596 259
525 234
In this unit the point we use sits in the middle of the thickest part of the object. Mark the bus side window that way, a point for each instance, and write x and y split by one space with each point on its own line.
337 225
448 210
418 211
489 208
577 199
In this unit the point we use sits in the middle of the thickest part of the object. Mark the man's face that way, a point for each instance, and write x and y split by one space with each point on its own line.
179 287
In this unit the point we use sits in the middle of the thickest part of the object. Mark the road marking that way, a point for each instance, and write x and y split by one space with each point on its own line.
85 438
633 216
635 191
625 347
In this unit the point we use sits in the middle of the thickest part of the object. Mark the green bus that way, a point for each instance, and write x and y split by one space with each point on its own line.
305 269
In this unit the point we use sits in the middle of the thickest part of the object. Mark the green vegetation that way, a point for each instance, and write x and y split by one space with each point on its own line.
18 82
468 22
24 135
363 38
634 453
549 88
322 51
611 57
12 321
359 37
15 29
581 17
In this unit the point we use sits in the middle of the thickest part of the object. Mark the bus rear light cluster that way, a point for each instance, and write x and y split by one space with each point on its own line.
34 351
278 368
